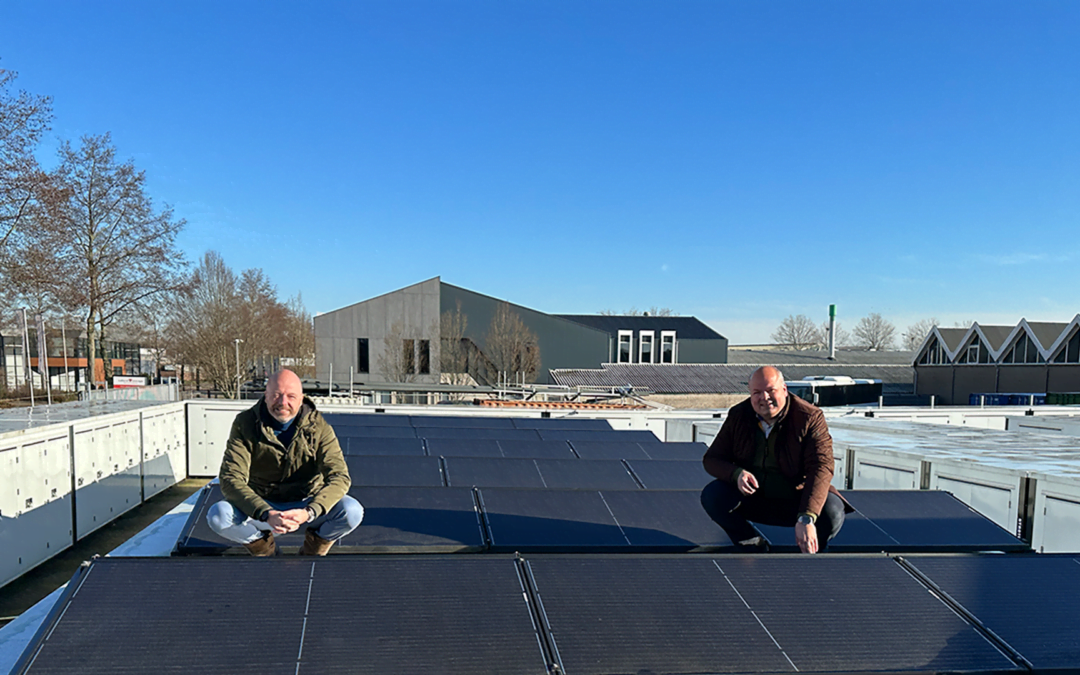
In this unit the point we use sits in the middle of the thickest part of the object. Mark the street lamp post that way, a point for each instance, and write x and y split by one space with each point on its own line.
236 343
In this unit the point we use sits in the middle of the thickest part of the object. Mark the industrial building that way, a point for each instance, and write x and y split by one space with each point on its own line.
401 336
1029 358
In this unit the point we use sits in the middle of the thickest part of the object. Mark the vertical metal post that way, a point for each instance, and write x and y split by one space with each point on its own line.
832 332
350 381
27 372
932 397
330 387
236 344
63 338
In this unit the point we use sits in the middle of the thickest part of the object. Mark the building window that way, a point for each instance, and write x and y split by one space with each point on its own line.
626 337
408 356
425 357
645 346
1024 351
934 354
1070 351
974 352
667 346
363 358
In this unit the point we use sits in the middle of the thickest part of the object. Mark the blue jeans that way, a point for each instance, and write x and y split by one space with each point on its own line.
734 511
233 524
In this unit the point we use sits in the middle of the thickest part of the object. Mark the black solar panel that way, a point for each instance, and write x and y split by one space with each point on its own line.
635 436
462 447
588 474
867 614
670 520
858 535
661 474
416 520
382 446
536 449
629 614
930 520
685 451
370 614
455 615
561 423
493 472
466 433
1032 602
366 420
609 450
375 470
397 519
343 431
549 520
437 421
161 615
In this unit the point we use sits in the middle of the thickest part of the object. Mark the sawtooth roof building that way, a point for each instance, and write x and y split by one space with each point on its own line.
1029 358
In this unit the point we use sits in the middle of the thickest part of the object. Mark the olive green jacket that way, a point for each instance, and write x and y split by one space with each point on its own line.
257 467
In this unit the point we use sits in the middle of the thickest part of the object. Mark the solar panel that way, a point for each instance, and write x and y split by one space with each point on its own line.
162 615
473 422
536 449
628 614
931 520
467 433
685 451
670 520
858 535
867 614
416 520
549 520
635 436
376 470
609 450
561 423
461 447
664 474
587 474
458 615
493 472
343 431
368 614
1028 601
382 446
366 420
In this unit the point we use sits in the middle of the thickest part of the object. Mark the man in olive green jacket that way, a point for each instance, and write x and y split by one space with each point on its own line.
283 468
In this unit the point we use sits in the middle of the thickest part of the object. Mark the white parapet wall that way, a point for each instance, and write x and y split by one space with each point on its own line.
65 480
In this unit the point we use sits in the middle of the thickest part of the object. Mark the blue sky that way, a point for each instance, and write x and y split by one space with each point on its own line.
737 161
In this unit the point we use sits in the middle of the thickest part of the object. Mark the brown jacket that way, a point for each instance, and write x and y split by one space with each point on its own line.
804 449
257 467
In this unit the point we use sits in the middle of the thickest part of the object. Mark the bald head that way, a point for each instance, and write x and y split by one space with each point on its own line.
768 393
284 394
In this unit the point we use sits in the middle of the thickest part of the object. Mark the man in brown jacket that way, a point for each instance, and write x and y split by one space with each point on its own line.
283 468
773 462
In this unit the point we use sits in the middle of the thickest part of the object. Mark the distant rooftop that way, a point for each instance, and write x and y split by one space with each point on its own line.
687 327
777 357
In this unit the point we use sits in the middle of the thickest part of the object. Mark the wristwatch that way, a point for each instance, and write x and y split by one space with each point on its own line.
310 514
806 519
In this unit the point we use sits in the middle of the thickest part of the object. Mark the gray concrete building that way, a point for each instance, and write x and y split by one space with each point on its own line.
400 336
1028 358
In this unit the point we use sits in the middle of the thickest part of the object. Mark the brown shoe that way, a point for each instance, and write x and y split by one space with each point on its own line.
264 547
314 544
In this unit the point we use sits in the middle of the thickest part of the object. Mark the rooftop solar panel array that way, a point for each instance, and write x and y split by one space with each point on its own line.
574 614
580 503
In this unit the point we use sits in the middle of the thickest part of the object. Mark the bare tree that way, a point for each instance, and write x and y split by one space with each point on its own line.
397 360
24 118
454 348
874 333
113 248
205 323
797 332
917 332
299 338
510 346
634 311
843 337
966 323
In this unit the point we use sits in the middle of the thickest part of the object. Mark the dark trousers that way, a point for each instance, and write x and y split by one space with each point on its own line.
734 511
